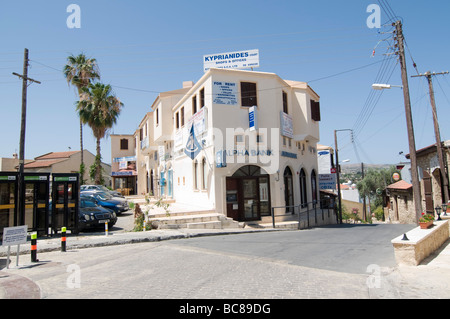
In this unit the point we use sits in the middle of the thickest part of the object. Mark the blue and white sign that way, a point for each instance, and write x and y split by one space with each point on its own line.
225 93
192 146
252 119
232 60
286 125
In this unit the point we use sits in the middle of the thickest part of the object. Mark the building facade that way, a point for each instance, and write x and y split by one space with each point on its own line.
239 142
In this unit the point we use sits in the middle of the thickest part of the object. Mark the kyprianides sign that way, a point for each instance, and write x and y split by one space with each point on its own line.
232 60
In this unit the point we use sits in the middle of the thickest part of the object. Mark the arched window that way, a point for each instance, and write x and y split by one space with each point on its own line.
204 174
303 193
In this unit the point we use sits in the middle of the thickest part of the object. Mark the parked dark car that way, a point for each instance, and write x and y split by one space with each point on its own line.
92 215
107 201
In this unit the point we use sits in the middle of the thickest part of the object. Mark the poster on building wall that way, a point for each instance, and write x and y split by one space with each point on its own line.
225 93
232 60
286 127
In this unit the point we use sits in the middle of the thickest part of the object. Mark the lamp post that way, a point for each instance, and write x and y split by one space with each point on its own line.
411 140
444 208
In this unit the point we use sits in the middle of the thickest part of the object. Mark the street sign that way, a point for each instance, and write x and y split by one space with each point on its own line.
14 235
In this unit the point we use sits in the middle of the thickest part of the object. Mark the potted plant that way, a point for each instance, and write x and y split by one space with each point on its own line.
426 221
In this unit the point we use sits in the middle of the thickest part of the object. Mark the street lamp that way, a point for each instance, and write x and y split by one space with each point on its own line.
411 140
438 212
378 86
444 208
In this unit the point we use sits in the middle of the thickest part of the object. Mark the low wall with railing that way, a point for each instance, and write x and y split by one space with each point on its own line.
307 215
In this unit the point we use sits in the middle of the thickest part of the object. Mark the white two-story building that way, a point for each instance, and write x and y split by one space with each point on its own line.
239 142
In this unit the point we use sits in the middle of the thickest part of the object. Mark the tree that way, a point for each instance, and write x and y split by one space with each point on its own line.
80 71
375 180
99 108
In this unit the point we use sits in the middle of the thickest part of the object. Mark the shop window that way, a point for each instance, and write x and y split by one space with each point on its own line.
248 94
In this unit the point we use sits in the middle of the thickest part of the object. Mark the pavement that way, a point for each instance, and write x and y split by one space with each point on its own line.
431 279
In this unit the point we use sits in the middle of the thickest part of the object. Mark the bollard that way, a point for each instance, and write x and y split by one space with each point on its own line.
63 239
106 228
34 248
144 225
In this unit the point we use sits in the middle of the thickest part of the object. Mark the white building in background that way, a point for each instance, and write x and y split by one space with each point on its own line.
239 142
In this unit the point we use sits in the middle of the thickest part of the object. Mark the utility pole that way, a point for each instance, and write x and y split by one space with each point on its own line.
364 198
338 168
409 123
25 80
437 133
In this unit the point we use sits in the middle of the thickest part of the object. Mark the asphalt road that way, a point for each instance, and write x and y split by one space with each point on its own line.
348 248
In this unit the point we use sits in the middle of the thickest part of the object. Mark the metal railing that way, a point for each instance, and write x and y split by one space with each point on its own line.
306 209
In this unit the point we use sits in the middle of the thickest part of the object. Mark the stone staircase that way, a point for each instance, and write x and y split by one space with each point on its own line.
206 219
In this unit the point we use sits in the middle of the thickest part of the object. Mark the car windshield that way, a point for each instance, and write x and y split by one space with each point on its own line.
103 196
87 203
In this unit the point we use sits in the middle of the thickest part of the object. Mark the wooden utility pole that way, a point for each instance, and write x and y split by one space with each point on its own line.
409 123
338 168
437 133
25 80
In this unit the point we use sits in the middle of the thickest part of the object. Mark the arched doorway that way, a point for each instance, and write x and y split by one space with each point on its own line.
248 194
314 186
303 192
288 190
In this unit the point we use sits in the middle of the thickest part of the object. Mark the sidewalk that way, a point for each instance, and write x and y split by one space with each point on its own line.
18 287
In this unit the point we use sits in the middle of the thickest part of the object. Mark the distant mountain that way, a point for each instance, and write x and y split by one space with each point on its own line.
355 168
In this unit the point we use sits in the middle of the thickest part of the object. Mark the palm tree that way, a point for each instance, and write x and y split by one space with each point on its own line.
99 108
80 71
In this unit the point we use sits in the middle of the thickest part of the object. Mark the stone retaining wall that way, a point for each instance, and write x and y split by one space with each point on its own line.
421 243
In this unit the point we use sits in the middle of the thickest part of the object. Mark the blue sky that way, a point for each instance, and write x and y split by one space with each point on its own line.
146 47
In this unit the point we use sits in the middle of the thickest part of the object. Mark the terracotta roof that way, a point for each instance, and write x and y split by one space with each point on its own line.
400 185
44 163
55 155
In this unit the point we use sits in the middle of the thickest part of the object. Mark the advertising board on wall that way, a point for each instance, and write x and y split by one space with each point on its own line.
232 60
286 127
225 93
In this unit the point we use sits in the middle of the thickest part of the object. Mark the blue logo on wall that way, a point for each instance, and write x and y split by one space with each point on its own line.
192 146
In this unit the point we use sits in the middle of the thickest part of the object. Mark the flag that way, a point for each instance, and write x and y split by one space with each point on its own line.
192 146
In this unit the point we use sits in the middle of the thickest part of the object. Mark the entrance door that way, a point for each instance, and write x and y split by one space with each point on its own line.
248 194
250 198
170 183
428 193
288 190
